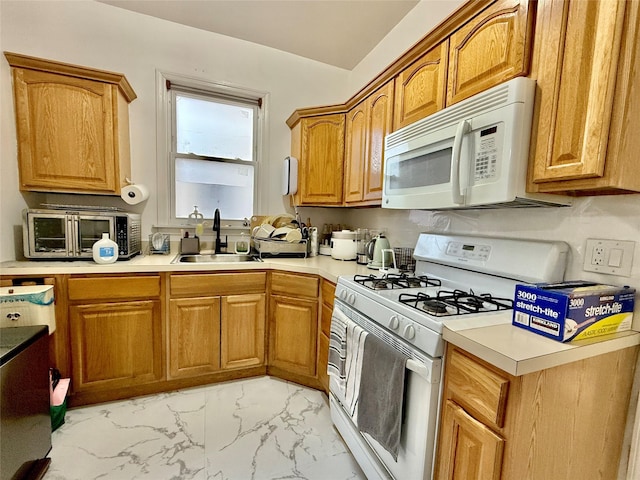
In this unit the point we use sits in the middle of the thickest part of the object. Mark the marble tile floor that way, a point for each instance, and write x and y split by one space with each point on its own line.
258 428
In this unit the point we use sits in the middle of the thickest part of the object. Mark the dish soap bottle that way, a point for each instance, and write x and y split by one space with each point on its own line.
198 219
105 250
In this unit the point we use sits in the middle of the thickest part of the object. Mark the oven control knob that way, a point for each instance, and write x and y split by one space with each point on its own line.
352 299
409 332
343 295
394 323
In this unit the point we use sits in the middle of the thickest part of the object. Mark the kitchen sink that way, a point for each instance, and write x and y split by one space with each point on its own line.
214 258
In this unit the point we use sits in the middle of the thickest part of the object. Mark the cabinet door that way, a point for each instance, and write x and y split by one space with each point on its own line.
321 165
115 345
577 46
355 152
420 88
242 330
293 334
380 122
468 449
67 133
194 336
490 49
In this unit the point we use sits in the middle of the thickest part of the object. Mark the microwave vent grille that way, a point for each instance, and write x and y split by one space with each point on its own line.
517 202
497 97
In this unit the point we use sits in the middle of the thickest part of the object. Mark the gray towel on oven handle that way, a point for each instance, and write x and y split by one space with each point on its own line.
382 393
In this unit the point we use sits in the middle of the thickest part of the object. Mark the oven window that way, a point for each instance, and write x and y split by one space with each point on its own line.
424 171
91 231
49 234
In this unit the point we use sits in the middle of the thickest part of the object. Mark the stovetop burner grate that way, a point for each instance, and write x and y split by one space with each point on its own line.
396 281
456 302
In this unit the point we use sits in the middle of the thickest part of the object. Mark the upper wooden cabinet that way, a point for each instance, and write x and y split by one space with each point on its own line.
491 48
72 125
587 68
367 125
420 89
318 144
482 44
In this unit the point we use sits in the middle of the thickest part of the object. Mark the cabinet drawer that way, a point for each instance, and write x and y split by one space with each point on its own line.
112 288
328 293
218 284
296 285
479 390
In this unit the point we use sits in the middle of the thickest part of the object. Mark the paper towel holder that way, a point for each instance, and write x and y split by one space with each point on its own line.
134 194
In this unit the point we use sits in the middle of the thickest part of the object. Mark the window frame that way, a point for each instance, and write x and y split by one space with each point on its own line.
166 132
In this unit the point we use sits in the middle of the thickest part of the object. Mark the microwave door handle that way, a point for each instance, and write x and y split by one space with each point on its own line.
463 128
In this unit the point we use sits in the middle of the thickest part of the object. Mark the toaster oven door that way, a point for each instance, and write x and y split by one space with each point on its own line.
88 229
48 235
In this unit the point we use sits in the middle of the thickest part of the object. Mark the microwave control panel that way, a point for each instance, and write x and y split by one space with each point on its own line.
469 251
486 153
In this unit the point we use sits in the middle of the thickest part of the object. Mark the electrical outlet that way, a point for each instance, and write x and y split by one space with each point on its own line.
613 257
597 257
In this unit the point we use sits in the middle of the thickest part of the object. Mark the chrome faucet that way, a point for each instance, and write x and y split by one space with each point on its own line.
216 228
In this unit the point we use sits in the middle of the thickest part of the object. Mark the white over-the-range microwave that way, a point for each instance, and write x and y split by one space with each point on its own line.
472 154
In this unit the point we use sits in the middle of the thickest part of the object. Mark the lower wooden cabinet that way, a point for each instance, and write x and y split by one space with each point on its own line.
214 331
243 330
116 343
293 333
145 333
468 449
561 423
293 326
194 336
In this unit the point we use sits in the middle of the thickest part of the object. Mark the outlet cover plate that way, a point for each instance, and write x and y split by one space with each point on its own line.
612 257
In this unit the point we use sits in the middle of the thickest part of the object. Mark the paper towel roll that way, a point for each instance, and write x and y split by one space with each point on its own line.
134 194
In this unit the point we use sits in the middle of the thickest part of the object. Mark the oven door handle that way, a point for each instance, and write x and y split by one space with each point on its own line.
419 368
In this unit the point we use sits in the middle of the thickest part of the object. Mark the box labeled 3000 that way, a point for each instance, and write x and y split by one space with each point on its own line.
573 310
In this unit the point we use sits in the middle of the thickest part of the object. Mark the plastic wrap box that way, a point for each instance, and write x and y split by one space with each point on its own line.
573 310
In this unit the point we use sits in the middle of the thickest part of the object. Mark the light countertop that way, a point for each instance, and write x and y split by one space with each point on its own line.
518 351
490 337
324 266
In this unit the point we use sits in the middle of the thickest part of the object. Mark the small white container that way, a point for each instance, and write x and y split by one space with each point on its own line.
105 250
343 245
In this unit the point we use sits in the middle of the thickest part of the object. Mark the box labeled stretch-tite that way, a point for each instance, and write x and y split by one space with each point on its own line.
573 310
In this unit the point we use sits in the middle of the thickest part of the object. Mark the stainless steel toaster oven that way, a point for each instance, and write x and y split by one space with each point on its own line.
68 233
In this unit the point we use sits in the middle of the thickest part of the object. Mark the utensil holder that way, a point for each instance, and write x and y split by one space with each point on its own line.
190 245
404 259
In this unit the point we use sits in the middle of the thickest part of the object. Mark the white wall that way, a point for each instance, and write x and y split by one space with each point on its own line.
101 36
421 19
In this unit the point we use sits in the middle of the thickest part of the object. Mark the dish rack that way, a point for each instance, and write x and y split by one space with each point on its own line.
280 248
159 243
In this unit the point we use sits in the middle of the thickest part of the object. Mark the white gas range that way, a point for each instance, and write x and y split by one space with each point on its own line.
456 277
